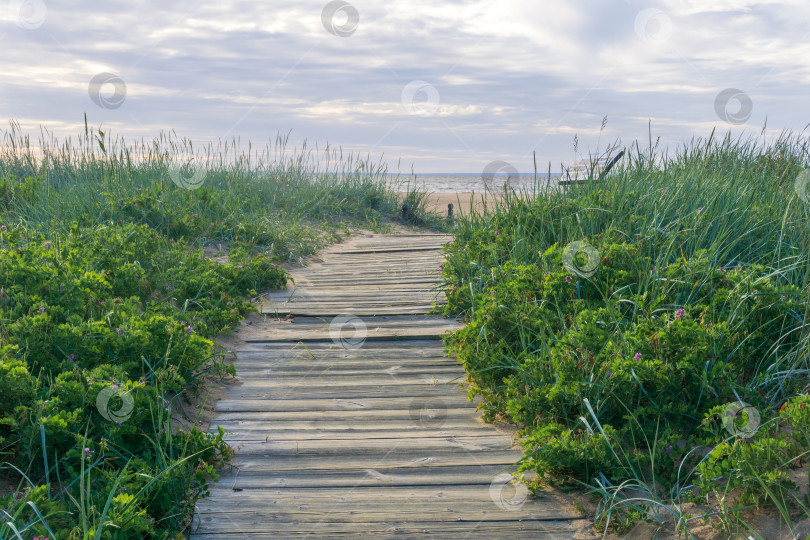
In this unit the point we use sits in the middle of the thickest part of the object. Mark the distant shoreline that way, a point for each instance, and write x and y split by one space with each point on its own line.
478 174
461 201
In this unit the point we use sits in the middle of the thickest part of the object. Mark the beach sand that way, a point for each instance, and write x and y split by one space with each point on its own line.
438 202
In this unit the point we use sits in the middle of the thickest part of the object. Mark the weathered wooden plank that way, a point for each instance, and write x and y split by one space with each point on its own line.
375 494
330 280
333 358
261 528
347 403
405 320
314 311
427 426
348 284
353 338
260 431
373 476
325 324
336 415
393 447
327 379
414 346
349 327
351 461
379 511
349 393
376 513
285 370
381 259
419 297
332 352
337 512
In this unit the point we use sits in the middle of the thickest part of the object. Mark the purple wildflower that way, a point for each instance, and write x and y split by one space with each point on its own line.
668 448
88 452
2 227
190 331
637 356
47 244
41 309
568 278
680 314
119 330
72 357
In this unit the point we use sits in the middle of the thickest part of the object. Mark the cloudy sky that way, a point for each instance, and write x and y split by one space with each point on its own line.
442 85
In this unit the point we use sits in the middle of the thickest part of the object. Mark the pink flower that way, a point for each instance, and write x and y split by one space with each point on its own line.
2 227
41 309
47 244
637 356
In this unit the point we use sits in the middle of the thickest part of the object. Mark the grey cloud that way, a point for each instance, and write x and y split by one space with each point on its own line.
512 76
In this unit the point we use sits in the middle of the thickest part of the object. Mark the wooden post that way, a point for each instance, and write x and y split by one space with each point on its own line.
450 212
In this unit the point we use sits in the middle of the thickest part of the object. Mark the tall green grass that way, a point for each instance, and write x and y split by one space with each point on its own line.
288 201
699 300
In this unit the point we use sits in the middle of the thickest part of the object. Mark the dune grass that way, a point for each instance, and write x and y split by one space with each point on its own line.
284 201
648 330
109 307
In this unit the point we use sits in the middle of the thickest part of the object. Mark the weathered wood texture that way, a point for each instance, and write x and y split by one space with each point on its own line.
351 420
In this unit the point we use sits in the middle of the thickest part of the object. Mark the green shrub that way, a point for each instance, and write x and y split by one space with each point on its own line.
698 300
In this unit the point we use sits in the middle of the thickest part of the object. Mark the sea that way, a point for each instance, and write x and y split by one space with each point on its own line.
466 183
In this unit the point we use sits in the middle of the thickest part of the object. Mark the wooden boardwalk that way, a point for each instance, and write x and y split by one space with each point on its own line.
351 422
